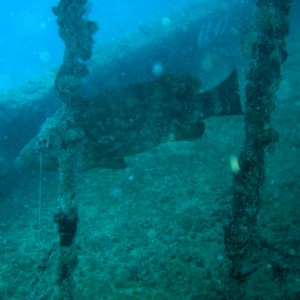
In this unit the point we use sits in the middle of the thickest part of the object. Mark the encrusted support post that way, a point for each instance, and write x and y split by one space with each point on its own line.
77 33
268 53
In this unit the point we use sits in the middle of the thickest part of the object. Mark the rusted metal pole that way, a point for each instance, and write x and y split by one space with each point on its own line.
77 33
268 53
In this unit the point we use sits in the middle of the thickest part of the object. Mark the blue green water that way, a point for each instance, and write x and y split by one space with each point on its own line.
152 230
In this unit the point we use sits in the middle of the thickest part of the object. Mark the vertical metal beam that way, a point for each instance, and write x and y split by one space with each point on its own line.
77 33
268 53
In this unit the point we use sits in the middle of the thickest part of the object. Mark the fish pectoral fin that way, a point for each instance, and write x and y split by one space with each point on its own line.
107 163
117 164
190 132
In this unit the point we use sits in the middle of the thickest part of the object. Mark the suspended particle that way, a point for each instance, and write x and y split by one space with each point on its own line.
157 69
44 56
166 22
234 164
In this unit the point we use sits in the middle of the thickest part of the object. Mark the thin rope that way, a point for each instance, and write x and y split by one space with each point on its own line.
40 199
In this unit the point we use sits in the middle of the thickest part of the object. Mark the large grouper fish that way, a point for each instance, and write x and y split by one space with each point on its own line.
125 121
